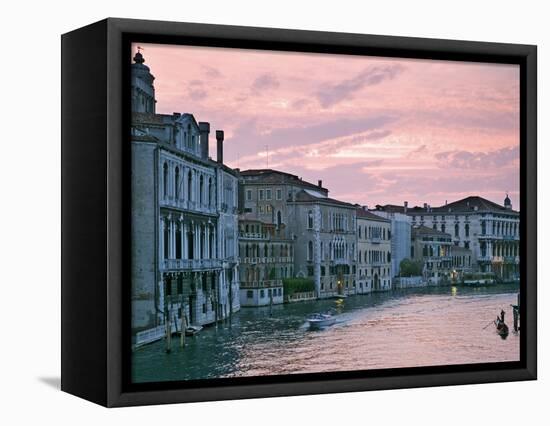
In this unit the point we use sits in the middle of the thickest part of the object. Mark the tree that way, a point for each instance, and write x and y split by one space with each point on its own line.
410 268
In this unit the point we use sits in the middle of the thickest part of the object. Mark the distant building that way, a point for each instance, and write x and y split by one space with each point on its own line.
374 252
265 193
489 230
461 262
400 238
323 230
184 216
265 259
433 249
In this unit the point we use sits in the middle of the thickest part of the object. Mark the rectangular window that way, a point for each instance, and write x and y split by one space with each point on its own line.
249 294
268 194
260 194
268 208
248 194
261 209
262 293
279 194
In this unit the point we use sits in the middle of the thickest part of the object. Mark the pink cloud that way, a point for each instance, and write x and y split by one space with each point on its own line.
375 130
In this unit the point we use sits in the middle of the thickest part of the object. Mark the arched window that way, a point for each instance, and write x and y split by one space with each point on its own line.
310 219
467 230
201 189
265 250
456 230
177 182
484 227
279 219
165 180
310 250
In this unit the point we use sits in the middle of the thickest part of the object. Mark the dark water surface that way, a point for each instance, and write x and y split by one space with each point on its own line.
403 328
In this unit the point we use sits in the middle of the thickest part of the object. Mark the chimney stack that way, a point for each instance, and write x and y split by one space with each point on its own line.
219 139
405 206
204 129
320 183
425 206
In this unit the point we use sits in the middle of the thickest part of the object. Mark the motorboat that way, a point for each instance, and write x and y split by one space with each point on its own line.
318 321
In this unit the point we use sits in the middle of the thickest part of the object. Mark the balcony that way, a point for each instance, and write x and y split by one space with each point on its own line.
190 264
375 240
264 260
188 205
252 235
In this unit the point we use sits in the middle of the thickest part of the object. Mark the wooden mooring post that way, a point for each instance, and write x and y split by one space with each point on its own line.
183 326
168 325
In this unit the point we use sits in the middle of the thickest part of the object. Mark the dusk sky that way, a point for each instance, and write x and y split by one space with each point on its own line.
375 130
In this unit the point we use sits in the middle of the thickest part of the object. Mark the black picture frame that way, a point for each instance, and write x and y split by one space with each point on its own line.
95 205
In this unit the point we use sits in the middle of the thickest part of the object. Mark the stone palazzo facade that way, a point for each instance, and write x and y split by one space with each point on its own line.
489 230
374 252
184 216
266 257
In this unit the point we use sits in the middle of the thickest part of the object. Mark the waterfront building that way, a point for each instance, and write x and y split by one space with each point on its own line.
265 193
324 233
265 259
321 229
433 249
491 231
184 216
400 238
461 262
374 251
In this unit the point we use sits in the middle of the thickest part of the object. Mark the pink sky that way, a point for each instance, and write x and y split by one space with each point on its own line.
375 130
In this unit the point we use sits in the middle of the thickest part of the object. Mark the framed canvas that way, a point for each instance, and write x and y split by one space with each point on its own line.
255 212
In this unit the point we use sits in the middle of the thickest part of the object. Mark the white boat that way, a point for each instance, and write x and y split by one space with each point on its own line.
192 330
318 321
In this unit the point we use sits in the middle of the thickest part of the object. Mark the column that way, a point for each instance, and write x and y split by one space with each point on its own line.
172 239
185 250
206 242
182 238
161 240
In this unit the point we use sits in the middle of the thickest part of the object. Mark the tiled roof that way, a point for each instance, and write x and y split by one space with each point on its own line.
365 214
275 176
471 203
304 196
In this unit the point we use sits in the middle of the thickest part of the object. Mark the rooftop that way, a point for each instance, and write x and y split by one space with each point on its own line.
271 176
365 214
305 196
468 204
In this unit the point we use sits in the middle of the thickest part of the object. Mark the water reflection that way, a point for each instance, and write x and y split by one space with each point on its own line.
436 326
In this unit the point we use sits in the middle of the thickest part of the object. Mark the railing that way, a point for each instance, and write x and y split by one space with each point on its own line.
375 240
191 264
299 297
252 235
265 260
261 284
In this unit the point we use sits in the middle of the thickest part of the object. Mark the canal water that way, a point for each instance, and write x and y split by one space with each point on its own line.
401 328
